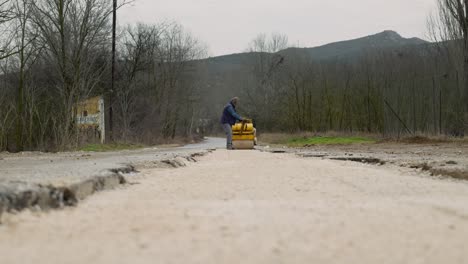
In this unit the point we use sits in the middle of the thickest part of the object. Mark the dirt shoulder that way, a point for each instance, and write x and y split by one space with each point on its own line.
449 159
53 180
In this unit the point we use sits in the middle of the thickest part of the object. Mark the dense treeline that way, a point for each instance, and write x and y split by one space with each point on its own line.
56 53
412 89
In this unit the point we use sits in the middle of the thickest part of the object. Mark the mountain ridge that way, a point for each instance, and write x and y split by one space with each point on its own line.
339 49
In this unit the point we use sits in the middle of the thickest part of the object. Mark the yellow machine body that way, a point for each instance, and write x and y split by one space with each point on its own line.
245 127
243 135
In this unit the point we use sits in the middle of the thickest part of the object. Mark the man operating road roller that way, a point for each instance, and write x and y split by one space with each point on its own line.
240 133
229 118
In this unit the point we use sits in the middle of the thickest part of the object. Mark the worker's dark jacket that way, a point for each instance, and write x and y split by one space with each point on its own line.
230 115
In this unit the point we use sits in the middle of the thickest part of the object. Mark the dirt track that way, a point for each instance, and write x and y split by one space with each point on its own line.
254 207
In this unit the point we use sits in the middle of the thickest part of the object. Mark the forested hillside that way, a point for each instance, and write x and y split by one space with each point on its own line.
382 83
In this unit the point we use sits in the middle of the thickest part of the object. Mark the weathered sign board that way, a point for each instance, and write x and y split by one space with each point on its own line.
90 115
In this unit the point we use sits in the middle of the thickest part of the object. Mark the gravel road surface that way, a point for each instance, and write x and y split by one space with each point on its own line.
253 207
63 168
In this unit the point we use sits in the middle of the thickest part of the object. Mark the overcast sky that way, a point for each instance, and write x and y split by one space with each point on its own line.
227 26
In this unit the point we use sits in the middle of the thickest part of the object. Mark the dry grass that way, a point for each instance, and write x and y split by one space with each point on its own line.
426 140
319 140
159 142
455 174
110 147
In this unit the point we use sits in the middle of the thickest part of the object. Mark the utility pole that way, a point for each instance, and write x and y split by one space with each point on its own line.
111 95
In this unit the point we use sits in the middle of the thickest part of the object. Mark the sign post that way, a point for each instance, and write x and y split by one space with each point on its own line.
90 116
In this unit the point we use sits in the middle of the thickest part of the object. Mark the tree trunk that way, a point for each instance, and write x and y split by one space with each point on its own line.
434 111
20 110
20 99
111 92
465 83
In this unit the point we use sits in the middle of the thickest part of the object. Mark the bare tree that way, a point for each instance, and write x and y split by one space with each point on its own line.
138 48
6 122
269 43
5 11
453 25
6 15
178 48
26 50
262 93
157 81
75 34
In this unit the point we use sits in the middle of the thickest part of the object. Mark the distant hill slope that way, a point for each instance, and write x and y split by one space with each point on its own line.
355 47
343 49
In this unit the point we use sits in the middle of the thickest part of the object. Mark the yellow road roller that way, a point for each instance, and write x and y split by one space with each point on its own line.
244 135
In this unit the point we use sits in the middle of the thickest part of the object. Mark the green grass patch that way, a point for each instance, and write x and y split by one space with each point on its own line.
110 147
300 142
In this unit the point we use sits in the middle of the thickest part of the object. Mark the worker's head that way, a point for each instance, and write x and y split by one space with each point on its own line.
234 101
